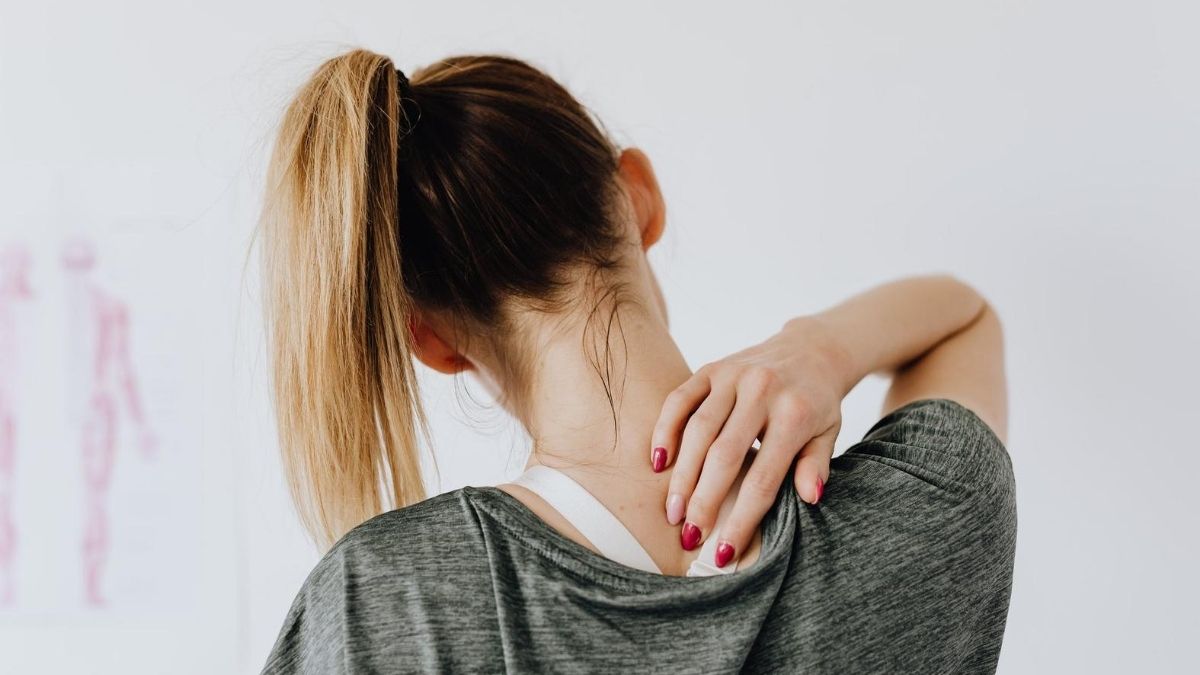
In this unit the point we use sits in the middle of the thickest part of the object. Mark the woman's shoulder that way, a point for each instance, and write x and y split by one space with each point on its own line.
930 481
424 530
915 535
402 549
378 581
935 456
942 437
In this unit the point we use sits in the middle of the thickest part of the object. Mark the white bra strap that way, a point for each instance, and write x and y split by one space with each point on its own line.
588 515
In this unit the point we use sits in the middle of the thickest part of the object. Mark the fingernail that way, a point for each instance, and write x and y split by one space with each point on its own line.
674 509
724 553
820 489
689 536
659 459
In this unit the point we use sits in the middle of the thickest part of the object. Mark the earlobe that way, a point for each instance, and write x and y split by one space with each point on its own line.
433 351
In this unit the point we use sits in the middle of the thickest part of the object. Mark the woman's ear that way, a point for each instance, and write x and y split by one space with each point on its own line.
649 208
432 350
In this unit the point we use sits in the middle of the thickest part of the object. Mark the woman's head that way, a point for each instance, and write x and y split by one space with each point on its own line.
454 226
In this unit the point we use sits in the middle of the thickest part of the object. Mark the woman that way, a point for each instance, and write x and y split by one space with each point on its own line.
477 219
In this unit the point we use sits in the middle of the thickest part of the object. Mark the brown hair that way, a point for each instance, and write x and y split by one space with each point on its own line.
482 186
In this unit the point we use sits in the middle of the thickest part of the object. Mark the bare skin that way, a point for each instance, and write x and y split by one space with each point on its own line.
934 334
935 337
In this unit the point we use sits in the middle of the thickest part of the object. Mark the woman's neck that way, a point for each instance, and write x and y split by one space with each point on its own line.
570 416
570 419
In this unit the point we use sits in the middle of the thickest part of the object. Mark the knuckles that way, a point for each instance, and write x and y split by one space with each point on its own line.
759 487
794 408
707 419
725 454
758 381
675 398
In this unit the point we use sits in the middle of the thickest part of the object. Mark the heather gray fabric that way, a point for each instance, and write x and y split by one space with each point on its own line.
905 566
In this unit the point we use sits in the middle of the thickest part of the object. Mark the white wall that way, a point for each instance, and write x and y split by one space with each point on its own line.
1044 151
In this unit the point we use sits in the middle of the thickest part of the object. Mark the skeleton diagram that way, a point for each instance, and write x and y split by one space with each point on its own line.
14 287
101 331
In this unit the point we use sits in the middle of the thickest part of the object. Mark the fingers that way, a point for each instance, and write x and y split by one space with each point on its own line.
676 410
702 429
758 488
812 469
723 461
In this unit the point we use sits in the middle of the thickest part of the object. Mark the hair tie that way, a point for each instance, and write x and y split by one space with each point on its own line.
407 98
405 87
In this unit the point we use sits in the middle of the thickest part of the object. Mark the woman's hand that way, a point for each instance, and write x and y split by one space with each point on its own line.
787 392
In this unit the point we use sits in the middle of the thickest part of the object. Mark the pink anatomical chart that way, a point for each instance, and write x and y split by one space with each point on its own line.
14 289
89 478
110 390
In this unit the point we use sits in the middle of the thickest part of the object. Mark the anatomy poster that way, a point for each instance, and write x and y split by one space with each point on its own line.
100 506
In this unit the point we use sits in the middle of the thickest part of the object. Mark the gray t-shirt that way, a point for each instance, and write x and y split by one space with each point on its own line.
904 566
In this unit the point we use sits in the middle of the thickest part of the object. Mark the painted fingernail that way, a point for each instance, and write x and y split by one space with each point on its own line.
820 489
689 536
724 553
659 459
674 509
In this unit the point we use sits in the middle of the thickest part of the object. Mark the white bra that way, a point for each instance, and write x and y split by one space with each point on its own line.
605 531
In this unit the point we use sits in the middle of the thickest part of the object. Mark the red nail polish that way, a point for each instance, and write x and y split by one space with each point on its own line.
820 490
724 553
659 459
689 536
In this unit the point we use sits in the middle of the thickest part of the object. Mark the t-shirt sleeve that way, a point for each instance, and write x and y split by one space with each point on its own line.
378 602
943 442
929 498
312 638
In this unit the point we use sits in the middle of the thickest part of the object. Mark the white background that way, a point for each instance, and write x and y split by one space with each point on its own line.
1046 152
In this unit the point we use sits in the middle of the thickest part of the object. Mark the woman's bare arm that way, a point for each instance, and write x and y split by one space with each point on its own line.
935 335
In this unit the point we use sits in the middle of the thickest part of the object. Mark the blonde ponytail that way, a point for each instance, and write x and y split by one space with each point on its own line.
343 382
